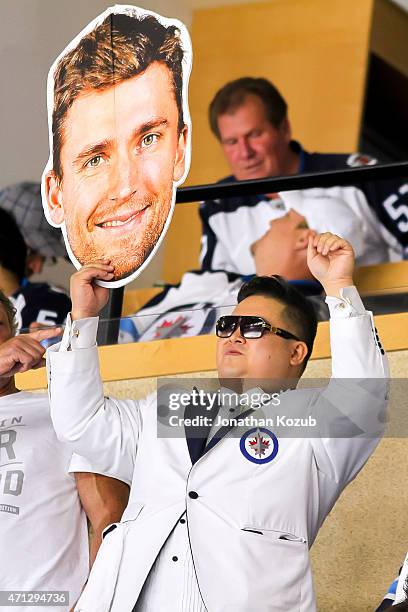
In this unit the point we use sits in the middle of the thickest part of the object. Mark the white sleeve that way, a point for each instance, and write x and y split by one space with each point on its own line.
356 349
221 259
326 210
103 430
351 410
213 252
81 464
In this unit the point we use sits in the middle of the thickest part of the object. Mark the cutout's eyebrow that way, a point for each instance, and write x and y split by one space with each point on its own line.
93 149
151 125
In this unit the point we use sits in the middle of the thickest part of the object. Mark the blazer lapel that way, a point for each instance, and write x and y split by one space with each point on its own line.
222 432
197 435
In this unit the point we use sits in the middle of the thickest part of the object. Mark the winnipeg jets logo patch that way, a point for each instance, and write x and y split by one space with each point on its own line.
259 445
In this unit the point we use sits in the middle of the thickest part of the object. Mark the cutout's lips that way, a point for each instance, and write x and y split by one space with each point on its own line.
233 352
121 220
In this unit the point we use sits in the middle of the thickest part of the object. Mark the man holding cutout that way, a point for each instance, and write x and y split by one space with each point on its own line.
212 525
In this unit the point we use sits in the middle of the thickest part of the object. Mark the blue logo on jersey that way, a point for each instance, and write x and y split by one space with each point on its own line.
259 445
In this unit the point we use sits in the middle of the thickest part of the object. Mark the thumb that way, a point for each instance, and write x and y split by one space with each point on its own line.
311 249
43 334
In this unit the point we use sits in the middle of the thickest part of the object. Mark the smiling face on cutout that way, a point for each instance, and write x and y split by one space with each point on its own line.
121 154
119 133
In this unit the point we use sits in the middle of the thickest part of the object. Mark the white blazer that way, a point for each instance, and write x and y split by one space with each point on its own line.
286 500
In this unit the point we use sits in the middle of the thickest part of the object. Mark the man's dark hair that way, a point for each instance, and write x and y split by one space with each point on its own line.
233 94
298 312
13 249
119 48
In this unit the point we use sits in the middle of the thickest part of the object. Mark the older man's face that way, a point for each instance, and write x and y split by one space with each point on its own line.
253 146
120 154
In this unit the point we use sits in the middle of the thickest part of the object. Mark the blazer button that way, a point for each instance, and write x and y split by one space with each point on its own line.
174 558
182 521
193 495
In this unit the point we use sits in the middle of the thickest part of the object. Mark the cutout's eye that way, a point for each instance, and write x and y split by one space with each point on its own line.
149 140
94 162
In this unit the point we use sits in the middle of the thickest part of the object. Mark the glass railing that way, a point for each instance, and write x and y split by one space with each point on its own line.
153 324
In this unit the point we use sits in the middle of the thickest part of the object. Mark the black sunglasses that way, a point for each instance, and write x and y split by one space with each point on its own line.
249 327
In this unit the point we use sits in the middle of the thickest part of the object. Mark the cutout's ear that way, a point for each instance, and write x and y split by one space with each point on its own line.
298 353
180 161
53 194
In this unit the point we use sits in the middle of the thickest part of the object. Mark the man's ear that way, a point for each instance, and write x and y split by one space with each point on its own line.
53 194
180 161
298 353
286 129
34 263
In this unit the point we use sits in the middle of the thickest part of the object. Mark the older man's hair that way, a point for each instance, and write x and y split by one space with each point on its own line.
10 312
232 95
120 48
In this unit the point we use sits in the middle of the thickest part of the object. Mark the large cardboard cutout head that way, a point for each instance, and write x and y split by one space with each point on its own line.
119 131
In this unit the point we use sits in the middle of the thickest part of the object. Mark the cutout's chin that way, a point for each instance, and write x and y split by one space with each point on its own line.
127 245
125 261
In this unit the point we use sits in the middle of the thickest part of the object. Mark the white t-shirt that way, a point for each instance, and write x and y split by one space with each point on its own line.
43 530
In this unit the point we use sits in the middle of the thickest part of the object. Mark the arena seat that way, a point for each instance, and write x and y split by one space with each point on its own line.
382 278
177 356
135 299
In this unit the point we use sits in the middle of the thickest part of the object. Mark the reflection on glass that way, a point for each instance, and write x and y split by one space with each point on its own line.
151 324
181 323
